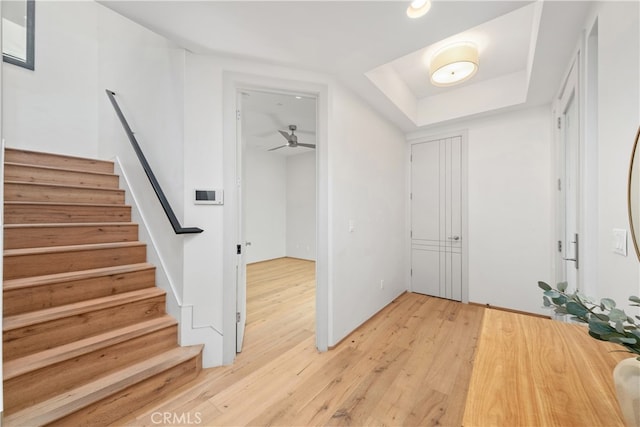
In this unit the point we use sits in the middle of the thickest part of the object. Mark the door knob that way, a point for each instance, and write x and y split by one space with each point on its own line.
453 237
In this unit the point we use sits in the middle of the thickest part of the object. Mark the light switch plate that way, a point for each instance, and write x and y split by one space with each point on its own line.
620 241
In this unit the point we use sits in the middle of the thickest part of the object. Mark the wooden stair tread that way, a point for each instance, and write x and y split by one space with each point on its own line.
71 204
35 317
32 158
70 187
69 224
71 248
16 367
76 399
35 281
60 169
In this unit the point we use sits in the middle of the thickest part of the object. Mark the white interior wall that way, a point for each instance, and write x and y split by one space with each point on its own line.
367 191
618 119
280 205
54 107
301 206
509 207
147 74
265 205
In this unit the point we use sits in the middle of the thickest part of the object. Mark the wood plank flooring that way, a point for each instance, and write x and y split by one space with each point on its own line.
409 365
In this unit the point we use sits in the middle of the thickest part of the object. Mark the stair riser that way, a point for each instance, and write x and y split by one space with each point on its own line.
47 214
19 192
37 237
40 264
23 300
25 173
52 160
30 339
122 403
34 387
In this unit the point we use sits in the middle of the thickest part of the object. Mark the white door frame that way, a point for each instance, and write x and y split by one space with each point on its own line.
464 206
234 82
571 90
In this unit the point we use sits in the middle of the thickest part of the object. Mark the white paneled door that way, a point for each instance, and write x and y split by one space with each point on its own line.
436 218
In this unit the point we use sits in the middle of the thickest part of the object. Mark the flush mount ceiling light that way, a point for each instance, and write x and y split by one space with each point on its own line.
454 64
418 8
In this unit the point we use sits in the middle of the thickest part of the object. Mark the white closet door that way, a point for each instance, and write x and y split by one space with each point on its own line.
436 217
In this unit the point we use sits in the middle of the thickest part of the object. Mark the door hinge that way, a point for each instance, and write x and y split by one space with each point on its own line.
411 158
411 233
559 184
239 249
237 317
411 272
410 196
237 114
560 246
559 123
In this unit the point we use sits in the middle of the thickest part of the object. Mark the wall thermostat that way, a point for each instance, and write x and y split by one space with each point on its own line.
208 197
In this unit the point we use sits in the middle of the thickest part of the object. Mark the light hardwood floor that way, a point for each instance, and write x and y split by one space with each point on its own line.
408 365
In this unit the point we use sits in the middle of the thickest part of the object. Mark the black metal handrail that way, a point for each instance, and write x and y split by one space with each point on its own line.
147 169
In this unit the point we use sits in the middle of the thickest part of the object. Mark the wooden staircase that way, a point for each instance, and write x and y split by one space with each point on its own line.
86 339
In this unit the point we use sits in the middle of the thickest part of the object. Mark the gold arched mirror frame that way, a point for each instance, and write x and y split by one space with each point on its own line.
633 194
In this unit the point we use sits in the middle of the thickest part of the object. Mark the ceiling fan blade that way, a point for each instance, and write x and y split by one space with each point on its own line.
283 133
277 148
306 145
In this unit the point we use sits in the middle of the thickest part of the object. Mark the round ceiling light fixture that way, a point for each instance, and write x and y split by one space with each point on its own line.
418 8
454 64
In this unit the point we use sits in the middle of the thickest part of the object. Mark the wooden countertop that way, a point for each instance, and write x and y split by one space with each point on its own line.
530 371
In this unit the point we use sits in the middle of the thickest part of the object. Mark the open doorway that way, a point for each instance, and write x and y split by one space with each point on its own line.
276 279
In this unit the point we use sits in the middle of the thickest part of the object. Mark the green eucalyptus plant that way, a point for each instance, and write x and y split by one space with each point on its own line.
606 321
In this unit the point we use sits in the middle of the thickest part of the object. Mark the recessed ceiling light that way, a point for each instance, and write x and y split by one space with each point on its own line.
418 8
454 64
298 97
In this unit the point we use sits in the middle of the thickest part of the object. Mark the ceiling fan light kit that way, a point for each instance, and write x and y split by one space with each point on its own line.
454 64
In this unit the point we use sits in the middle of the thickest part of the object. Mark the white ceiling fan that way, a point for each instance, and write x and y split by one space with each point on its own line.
292 140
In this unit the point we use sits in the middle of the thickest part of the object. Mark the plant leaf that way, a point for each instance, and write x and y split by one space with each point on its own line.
620 327
546 301
600 317
607 303
576 309
544 286
561 310
600 328
617 315
621 340
634 298
561 300
552 293
562 286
